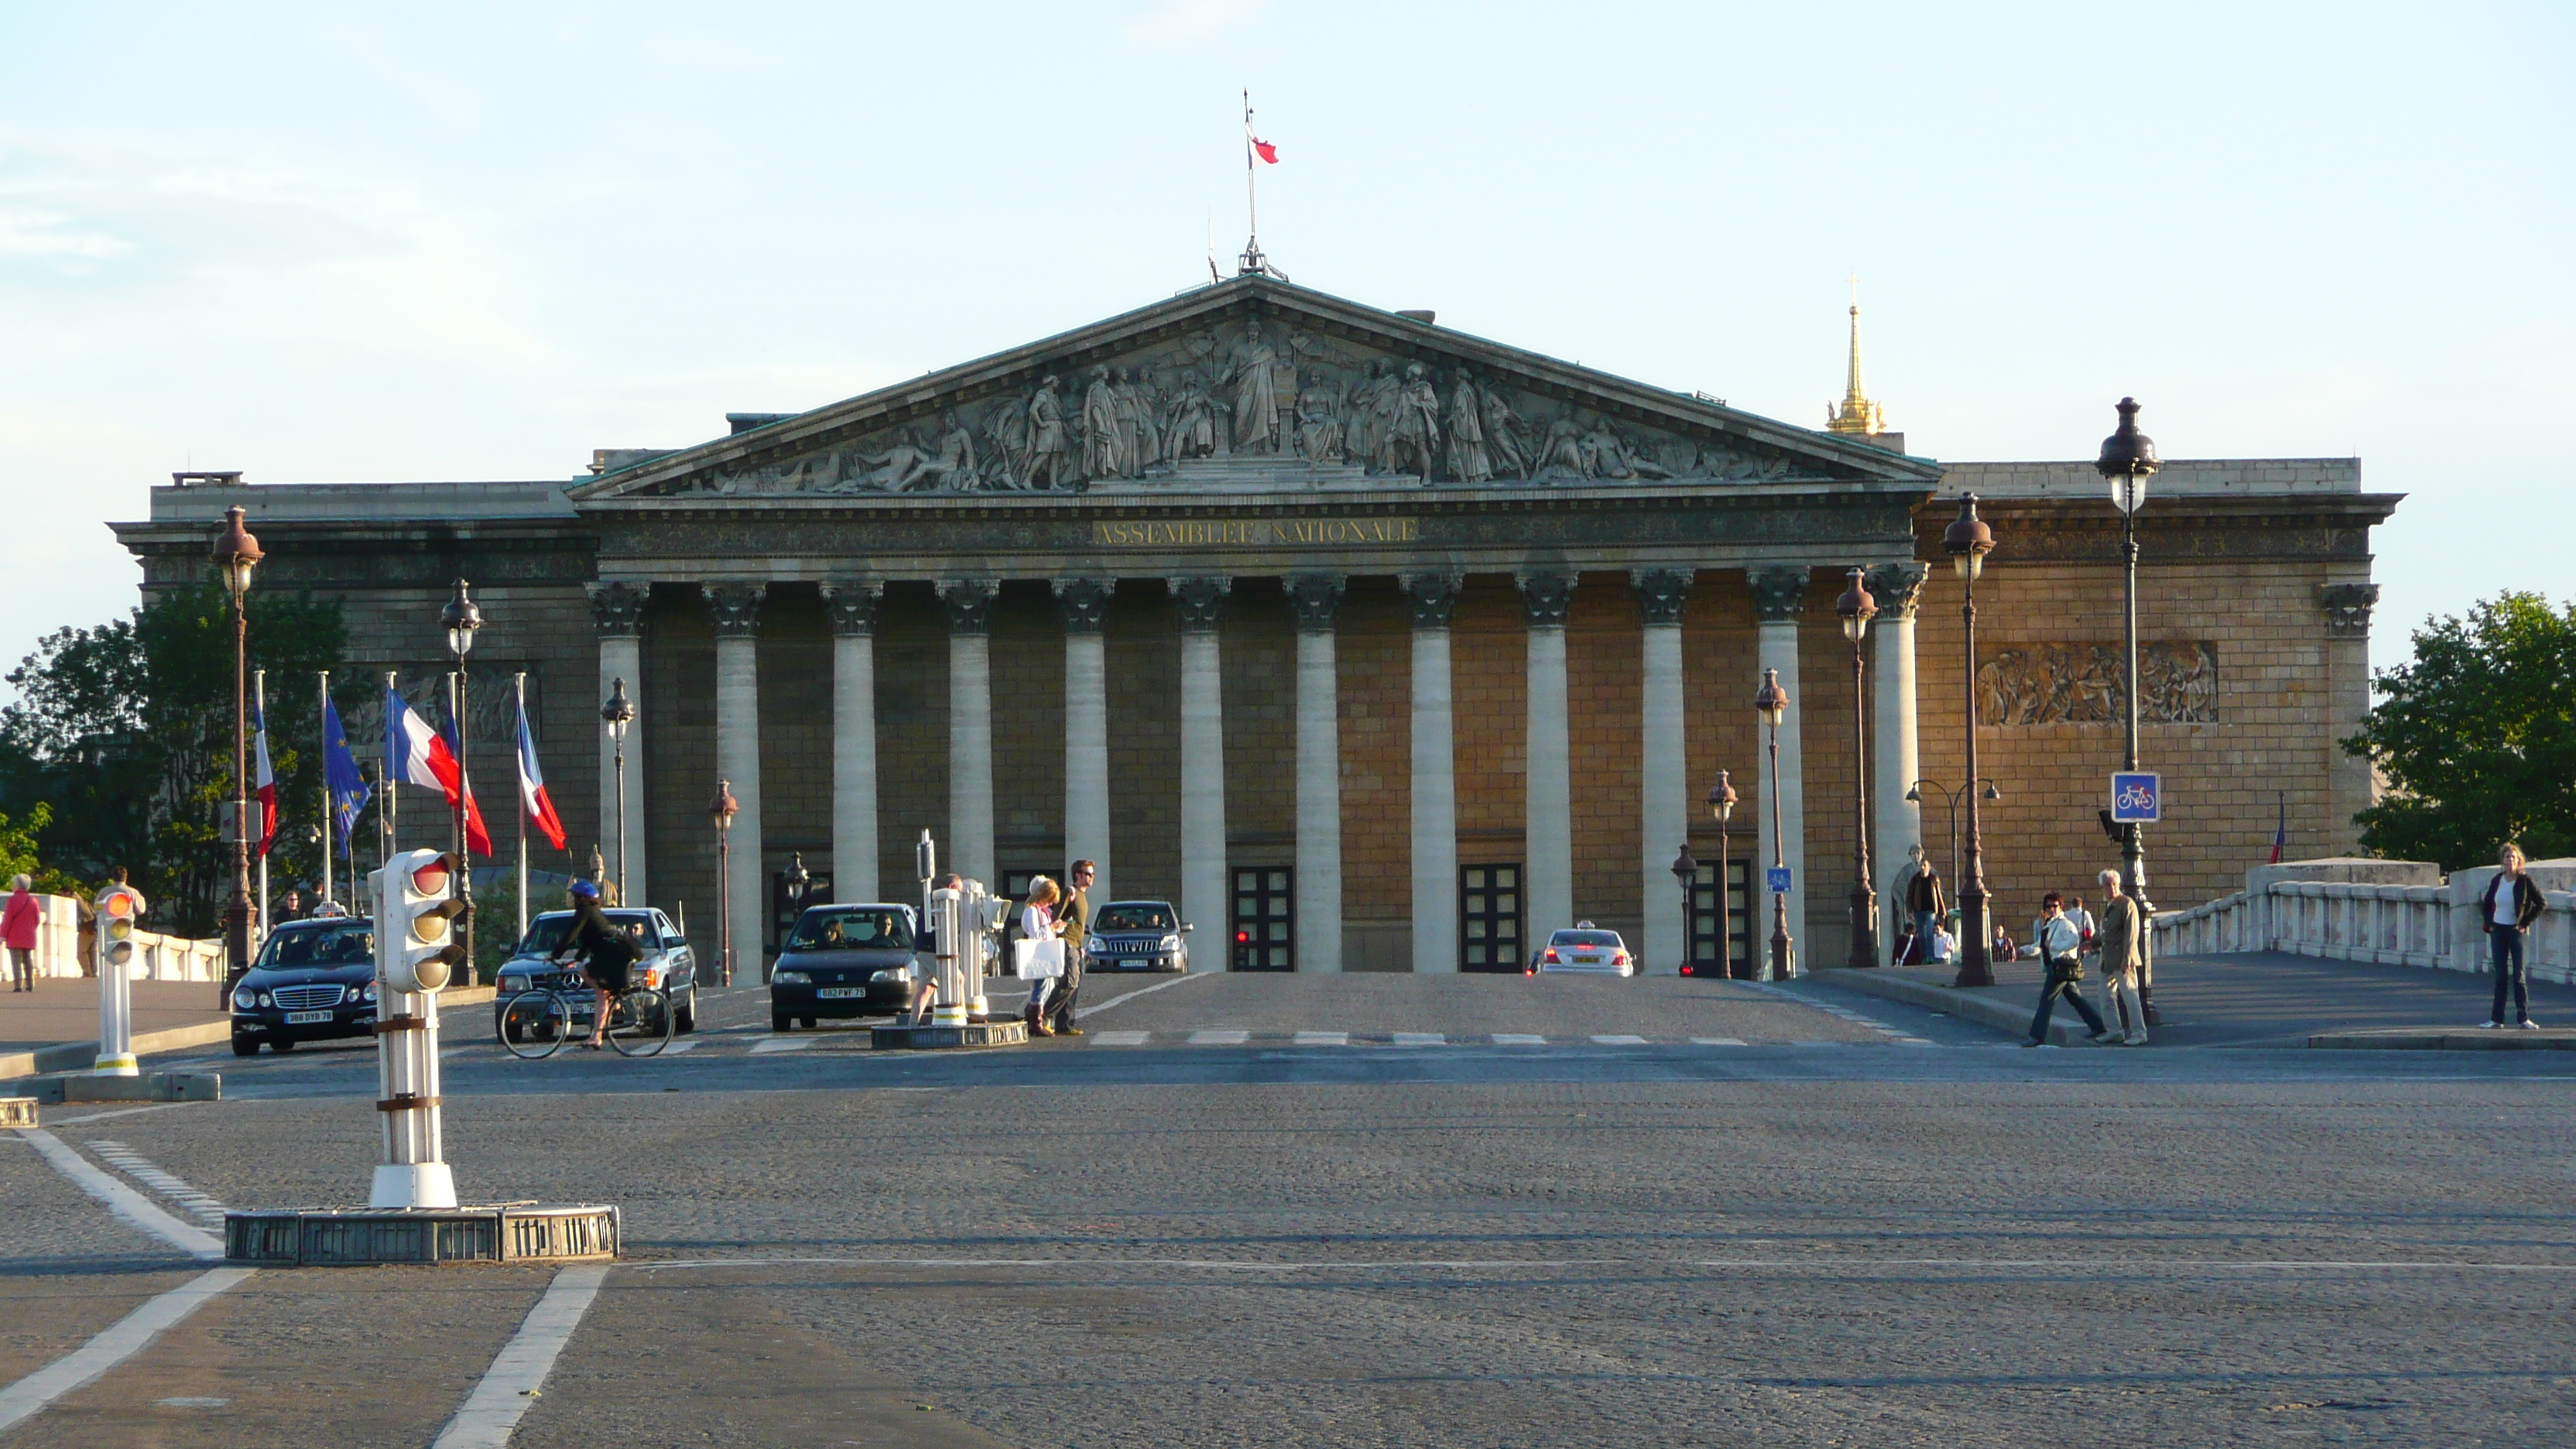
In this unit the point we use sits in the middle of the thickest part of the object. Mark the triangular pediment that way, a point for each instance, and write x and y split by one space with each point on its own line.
1254 382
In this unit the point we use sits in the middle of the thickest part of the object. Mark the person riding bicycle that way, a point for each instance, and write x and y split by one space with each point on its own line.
607 954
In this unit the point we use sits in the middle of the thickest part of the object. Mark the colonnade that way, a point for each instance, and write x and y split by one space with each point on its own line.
1668 796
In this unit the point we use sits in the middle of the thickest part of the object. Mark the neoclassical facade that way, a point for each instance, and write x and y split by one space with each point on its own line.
1373 645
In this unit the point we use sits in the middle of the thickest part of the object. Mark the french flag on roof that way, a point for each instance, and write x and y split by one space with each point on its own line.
532 785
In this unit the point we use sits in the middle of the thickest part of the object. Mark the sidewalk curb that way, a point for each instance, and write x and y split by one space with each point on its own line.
2405 1039
1965 1005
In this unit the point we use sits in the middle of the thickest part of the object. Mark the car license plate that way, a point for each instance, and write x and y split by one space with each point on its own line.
842 993
1587 960
1130 963
307 1018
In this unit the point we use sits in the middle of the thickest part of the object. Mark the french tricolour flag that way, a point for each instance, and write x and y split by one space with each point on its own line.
417 754
532 785
264 782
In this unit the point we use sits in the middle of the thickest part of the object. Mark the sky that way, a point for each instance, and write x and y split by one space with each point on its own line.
321 243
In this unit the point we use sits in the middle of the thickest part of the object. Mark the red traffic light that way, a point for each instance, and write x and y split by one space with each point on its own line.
1243 938
432 878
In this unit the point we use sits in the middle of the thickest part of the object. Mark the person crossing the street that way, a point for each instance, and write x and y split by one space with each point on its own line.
2061 949
1073 920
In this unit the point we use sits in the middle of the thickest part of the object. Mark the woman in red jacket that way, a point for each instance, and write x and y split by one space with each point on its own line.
18 933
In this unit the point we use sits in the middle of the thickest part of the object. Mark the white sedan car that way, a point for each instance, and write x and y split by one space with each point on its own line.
1587 950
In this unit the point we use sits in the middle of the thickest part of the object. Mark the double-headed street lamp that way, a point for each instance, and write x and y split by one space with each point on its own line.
1721 804
1857 608
1968 540
1914 792
1772 702
2128 460
721 810
617 714
237 553
460 619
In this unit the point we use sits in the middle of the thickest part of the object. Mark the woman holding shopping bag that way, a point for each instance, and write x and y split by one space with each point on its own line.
1038 955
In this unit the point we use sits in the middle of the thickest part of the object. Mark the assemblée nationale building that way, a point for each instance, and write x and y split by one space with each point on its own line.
1385 646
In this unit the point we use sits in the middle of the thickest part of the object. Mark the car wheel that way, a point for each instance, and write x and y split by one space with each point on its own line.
808 1023
781 1023
245 1046
687 1021
281 1046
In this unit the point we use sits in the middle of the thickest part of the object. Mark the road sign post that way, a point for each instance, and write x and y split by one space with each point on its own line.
119 908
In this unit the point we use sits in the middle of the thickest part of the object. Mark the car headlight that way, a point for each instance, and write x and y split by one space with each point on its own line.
366 991
243 1000
508 985
892 973
263 998
1171 943
790 978
1096 947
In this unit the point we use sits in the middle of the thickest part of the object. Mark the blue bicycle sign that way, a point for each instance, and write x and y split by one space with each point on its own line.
2137 798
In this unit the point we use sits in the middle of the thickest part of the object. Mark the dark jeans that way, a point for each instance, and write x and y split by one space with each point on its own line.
2070 988
2504 947
1059 1003
1922 950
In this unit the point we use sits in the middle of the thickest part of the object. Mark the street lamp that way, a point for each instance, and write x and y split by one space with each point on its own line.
2128 460
460 619
1968 540
617 714
1952 797
721 809
1686 871
237 553
1772 703
1721 804
800 881
1857 608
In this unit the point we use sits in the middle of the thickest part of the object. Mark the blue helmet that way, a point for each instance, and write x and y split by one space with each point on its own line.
583 890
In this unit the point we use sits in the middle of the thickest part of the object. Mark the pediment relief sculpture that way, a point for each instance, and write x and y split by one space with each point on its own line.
1253 389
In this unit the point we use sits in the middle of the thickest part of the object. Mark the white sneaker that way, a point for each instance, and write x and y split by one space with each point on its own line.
2489 1025
2531 1026
2135 1038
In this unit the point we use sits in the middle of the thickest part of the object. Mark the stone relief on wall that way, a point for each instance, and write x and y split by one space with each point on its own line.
491 711
1256 388
2025 684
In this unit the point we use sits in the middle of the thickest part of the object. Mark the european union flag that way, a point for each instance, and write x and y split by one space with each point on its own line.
348 788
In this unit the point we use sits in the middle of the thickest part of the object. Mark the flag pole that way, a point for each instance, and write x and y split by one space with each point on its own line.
259 697
389 814
519 684
1251 194
330 817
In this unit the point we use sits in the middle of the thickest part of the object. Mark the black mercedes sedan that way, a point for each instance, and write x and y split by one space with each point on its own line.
312 981
843 961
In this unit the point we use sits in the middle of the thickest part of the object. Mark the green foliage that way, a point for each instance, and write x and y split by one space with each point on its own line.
19 854
127 729
2476 738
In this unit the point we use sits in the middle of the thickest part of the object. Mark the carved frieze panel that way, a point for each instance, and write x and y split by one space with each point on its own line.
491 710
2035 684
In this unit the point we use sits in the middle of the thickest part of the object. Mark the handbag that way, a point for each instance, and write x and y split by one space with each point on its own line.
1034 958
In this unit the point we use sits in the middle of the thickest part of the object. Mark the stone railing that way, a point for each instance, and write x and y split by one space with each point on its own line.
157 957
2401 919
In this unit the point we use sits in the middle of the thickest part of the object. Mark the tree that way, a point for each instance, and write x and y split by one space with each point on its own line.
2476 738
126 730
19 854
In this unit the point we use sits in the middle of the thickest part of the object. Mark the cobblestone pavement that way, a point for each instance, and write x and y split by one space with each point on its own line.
1828 1239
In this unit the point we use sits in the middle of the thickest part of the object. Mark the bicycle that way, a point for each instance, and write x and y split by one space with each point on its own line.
537 1022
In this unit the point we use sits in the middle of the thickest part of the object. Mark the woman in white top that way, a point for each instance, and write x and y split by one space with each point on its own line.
1038 923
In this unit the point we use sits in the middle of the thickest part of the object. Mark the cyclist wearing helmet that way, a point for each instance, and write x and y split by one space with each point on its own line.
605 952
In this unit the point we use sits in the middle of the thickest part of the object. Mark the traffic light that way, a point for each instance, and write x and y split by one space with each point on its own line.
117 907
417 940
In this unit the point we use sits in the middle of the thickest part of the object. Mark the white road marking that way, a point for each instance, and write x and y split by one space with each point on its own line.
1083 1011
1825 1262
1119 1038
677 1047
1717 1041
1618 1041
491 1413
769 1044
1421 1038
135 1165
124 1201
1518 1038
122 1340
119 1112
1219 1038
1323 1038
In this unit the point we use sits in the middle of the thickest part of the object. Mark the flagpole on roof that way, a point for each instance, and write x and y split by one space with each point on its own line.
519 687
330 816
259 703
1251 193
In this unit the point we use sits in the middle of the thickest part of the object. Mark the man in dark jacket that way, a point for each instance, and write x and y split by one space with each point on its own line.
1926 901
2511 904
1074 914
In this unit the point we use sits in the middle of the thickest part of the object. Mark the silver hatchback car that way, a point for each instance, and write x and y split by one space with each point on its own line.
1585 950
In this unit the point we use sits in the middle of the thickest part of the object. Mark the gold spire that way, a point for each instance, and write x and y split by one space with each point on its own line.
1857 414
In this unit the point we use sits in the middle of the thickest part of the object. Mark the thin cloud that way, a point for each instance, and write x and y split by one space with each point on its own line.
1176 24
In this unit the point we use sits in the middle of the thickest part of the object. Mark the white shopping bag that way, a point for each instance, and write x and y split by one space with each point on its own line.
1032 959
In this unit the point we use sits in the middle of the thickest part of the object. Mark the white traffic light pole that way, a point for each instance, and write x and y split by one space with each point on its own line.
416 905
119 907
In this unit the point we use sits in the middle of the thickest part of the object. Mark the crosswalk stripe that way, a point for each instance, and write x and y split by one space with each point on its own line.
1618 1041
1120 1038
1219 1038
1421 1038
1323 1038
1518 1038
677 1047
1717 1041
766 1045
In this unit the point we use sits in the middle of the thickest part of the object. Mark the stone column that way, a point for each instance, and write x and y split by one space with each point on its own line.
1665 773
1894 764
1435 776
1315 598
1547 870
970 728
617 610
1084 605
1206 888
1778 592
736 611
853 607
2347 609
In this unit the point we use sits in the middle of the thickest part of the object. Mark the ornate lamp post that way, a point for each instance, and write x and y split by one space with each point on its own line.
237 553
1857 608
1914 792
460 619
617 714
1721 804
2128 460
1968 540
1772 702
1686 871
721 810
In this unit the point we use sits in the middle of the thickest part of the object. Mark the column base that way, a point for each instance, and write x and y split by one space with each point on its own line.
116 1067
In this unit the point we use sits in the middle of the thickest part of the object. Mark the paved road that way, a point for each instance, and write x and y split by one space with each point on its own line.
1827 1235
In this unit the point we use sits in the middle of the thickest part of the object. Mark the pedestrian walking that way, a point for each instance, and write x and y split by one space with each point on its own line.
2082 920
1073 927
2002 949
18 921
1924 900
1040 952
292 907
1904 951
2123 942
2061 952
2511 904
1945 939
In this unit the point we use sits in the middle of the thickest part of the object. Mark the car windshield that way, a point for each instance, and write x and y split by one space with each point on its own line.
852 928
1584 938
349 943
546 933
1135 916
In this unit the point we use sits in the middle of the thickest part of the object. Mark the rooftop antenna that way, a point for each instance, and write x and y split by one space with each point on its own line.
1255 152
1213 275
